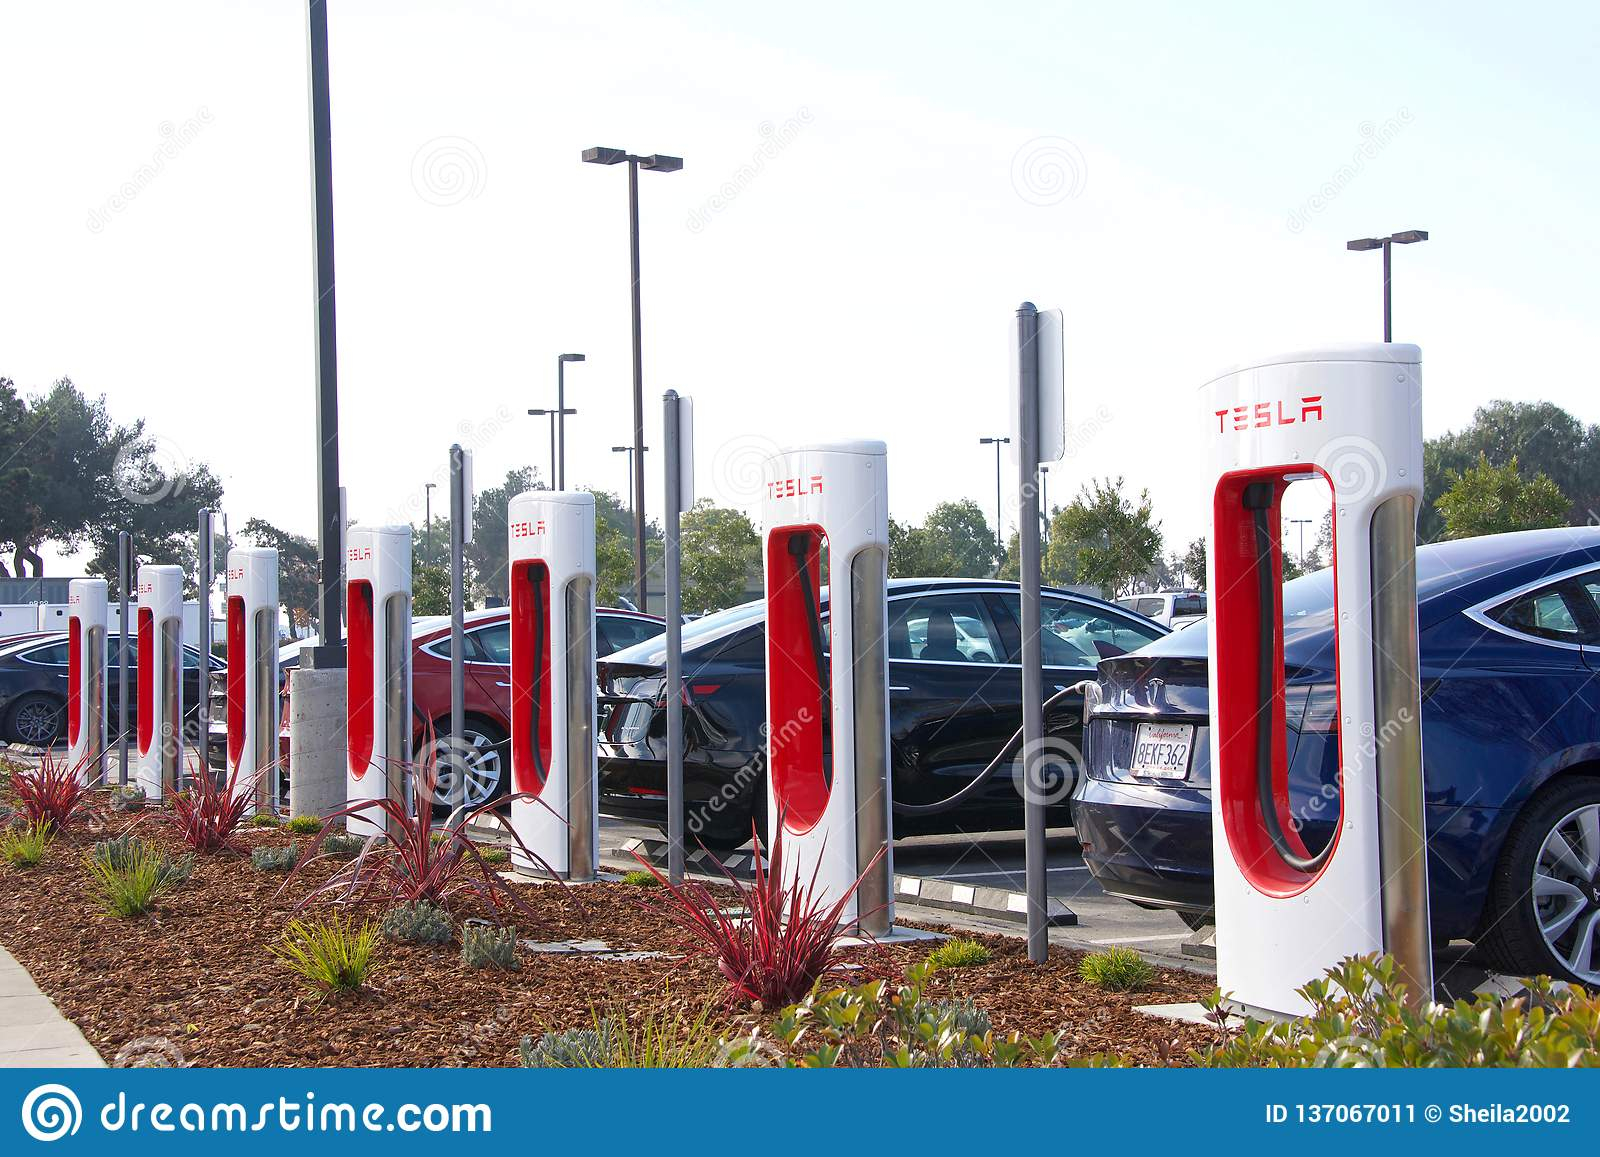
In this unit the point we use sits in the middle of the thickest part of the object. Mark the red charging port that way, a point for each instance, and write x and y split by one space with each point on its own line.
74 677
147 679
358 696
795 675
236 679
530 679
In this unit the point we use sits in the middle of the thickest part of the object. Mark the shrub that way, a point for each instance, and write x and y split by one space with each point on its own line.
265 820
496 856
339 844
24 847
304 825
1361 1017
639 878
274 859
415 863
122 852
959 954
485 947
775 940
896 1027
130 885
127 797
207 814
418 923
52 792
662 1040
330 955
1117 969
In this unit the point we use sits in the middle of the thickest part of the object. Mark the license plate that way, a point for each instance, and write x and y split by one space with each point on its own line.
1161 750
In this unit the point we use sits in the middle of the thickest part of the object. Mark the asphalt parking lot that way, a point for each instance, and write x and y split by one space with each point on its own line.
995 860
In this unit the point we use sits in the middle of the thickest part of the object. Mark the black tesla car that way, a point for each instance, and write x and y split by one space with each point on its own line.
955 698
33 687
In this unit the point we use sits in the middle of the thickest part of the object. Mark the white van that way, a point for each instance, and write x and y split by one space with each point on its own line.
1174 609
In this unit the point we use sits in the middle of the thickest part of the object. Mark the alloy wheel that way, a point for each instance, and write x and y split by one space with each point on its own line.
1566 891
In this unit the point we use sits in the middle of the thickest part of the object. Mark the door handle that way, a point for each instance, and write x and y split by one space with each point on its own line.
499 683
893 688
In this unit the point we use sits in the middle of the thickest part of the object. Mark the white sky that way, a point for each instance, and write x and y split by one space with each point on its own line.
860 284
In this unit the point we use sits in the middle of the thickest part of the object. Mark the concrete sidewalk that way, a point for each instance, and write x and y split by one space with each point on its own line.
33 1033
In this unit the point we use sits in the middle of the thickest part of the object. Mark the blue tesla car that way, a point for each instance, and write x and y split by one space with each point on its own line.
1510 646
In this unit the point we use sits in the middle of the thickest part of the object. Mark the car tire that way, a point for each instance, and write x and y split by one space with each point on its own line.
37 720
1541 911
487 771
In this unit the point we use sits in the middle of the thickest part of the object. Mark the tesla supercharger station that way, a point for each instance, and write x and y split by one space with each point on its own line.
825 520
253 674
378 691
160 681
87 619
1286 911
556 809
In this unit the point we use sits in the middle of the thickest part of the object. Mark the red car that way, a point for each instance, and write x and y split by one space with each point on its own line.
487 726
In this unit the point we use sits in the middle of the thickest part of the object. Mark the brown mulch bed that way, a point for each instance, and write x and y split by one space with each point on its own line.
197 972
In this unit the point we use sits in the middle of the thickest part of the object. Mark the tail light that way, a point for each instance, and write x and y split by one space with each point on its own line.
691 692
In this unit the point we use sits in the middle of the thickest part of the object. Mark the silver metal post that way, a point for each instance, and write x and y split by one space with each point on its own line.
673 612
203 579
124 566
1033 793
458 522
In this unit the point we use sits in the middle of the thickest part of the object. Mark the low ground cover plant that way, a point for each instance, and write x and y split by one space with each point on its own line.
24 846
489 947
274 859
662 1039
127 875
340 844
265 820
418 923
639 878
304 825
959 954
330 955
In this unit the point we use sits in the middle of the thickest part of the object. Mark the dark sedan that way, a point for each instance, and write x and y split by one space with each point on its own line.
33 687
1510 642
955 697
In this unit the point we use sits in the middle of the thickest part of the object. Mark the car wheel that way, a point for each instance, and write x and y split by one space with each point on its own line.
1545 898
37 720
481 774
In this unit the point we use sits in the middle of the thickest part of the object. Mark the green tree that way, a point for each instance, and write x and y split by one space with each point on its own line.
489 552
721 551
907 553
1194 564
1487 499
1104 539
955 541
297 568
613 548
430 588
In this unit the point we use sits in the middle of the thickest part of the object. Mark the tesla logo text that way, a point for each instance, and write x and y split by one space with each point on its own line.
1264 414
147 588
360 553
235 573
794 487
527 529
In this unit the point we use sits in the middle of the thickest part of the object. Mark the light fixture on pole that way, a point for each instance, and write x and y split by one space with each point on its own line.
628 450
552 415
1404 237
655 163
999 543
427 519
561 417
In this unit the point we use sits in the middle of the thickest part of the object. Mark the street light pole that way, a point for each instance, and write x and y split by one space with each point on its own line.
1362 244
1302 523
552 415
561 417
427 517
1044 504
659 163
999 543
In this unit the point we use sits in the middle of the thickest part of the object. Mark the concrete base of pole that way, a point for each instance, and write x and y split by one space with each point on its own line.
317 764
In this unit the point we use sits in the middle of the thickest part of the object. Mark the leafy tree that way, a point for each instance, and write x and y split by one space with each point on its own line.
1194 564
907 553
958 541
1104 539
720 551
297 569
430 588
1486 499
489 552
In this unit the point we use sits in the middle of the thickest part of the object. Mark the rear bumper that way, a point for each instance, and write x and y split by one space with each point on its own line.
1148 844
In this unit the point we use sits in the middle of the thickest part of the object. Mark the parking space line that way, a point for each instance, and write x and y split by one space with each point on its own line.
1141 939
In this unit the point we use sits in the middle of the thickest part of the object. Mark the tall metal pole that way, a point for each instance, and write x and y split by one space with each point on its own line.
1033 794
427 518
329 652
560 478
1388 328
552 482
124 569
203 581
999 511
458 523
673 612
639 567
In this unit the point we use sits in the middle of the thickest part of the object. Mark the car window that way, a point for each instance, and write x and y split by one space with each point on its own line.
943 628
1543 614
51 654
1150 607
617 632
474 654
1078 634
1189 605
490 644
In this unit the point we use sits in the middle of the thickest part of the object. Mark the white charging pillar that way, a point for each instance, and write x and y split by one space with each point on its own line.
253 674
87 618
160 683
1288 907
555 811
825 519
378 690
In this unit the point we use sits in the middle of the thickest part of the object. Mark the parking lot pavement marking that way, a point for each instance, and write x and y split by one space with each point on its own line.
1003 872
1139 939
